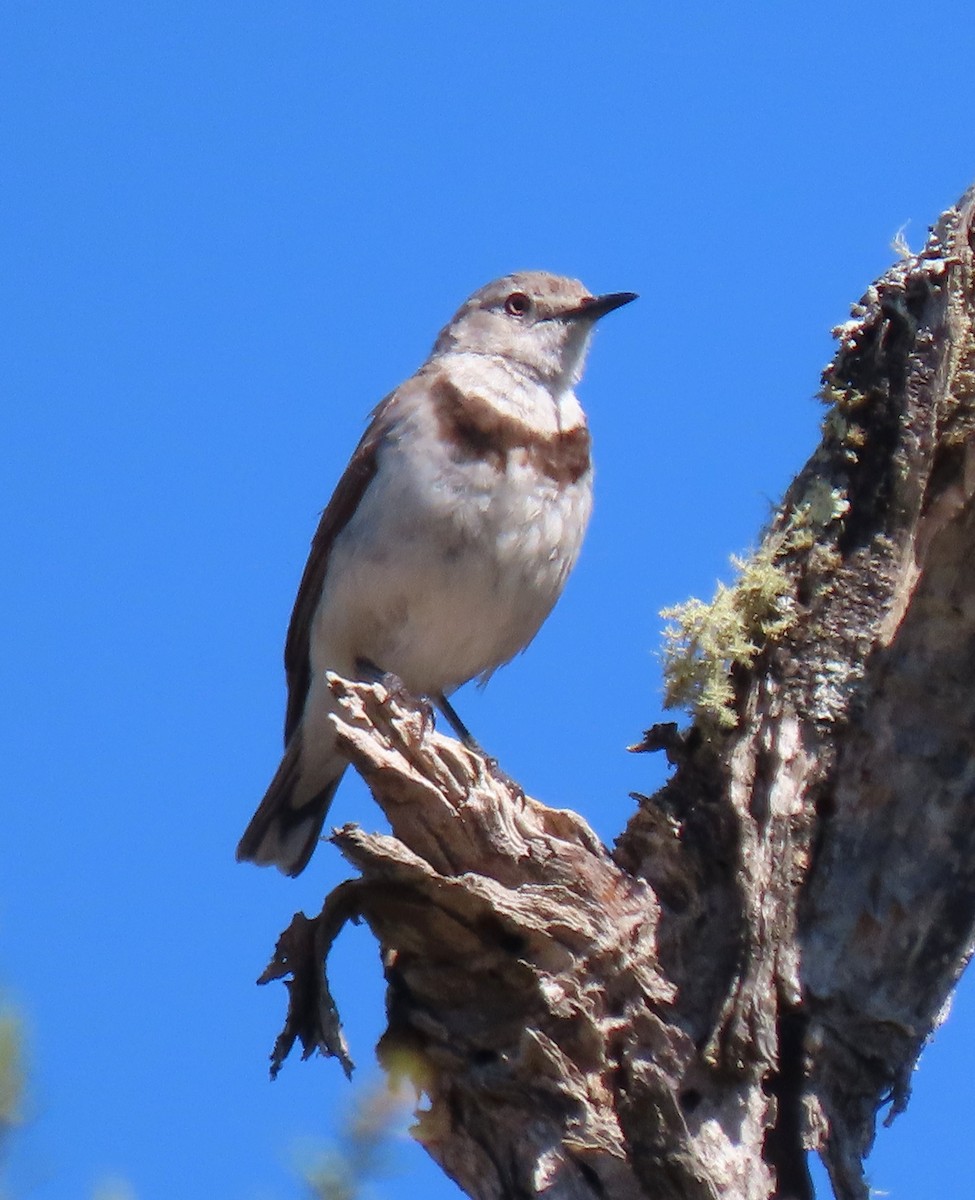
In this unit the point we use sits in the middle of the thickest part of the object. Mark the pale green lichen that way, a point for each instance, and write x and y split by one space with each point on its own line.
845 399
849 436
843 431
821 505
704 642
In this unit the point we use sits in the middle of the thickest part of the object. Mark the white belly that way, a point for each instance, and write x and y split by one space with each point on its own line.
447 569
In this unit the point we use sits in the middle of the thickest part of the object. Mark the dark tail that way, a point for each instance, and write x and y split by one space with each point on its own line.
286 827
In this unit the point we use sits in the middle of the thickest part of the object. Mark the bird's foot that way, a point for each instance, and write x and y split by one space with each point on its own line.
399 692
502 777
472 744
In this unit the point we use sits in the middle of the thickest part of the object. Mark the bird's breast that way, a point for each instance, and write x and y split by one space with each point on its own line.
459 549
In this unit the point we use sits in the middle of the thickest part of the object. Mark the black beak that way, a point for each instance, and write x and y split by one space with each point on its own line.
594 307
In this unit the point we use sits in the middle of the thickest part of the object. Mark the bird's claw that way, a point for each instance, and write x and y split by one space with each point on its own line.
398 691
502 777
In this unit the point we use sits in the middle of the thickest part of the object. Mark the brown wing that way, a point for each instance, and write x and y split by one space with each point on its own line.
344 501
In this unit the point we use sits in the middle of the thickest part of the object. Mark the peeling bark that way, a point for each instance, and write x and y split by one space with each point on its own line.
754 969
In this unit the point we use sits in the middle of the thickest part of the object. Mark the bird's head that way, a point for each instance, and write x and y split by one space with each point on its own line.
539 323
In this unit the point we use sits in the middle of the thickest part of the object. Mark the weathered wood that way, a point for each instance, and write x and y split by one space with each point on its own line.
754 969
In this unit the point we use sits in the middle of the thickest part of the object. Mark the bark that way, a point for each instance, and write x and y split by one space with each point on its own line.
754 969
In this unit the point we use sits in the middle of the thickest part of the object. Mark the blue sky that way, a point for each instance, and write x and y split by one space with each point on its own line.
226 231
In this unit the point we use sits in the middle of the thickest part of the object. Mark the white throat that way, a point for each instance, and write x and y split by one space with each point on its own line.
548 407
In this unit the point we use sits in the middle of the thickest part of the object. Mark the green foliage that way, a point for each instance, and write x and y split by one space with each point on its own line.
363 1150
11 1080
11 1071
114 1189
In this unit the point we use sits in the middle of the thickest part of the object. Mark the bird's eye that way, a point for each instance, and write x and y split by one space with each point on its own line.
517 304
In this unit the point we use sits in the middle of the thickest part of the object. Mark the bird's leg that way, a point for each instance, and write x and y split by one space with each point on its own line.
472 744
370 673
457 725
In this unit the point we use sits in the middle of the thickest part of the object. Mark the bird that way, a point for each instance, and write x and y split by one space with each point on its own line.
447 540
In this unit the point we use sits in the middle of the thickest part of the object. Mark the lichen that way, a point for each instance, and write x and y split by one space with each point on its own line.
843 399
848 436
705 642
821 505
